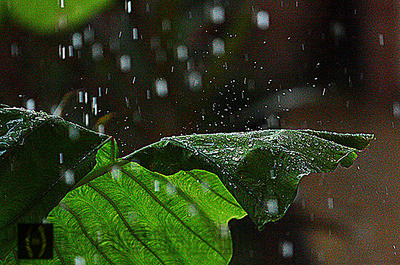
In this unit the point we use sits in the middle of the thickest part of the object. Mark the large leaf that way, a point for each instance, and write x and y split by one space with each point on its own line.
142 216
41 158
130 215
261 169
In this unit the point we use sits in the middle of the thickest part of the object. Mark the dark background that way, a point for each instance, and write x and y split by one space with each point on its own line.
324 65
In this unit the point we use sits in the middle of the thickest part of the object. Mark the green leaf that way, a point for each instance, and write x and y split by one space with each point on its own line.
50 16
40 158
125 213
131 215
261 169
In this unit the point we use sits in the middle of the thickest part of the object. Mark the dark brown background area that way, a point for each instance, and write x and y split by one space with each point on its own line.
296 74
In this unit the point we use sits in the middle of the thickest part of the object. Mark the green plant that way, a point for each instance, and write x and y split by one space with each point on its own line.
167 203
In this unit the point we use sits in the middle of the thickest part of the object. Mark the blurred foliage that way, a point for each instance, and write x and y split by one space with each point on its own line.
51 16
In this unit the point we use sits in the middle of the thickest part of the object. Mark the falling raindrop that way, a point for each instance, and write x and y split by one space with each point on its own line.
73 133
218 47
330 203
61 3
218 15
161 87
61 158
156 185
224 230
30 104
262 20
272 206
192 210
80 260
381 41
88 35
166 25
80 96
97 51
94 106
338 29
14 50
273 121
70 51
101 128
116 173
86 119
61 51
69 177
182 52
135 34
171 189
131 216
98 236
396 109
128 6
287 249
77 40
194 80
205 187
125 63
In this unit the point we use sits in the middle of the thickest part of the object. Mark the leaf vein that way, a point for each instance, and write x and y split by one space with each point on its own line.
124 221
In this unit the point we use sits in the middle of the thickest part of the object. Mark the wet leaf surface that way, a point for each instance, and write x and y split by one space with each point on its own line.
39 161
261 169
167 203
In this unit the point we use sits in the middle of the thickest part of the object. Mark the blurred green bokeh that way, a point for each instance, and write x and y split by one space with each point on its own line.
51 16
